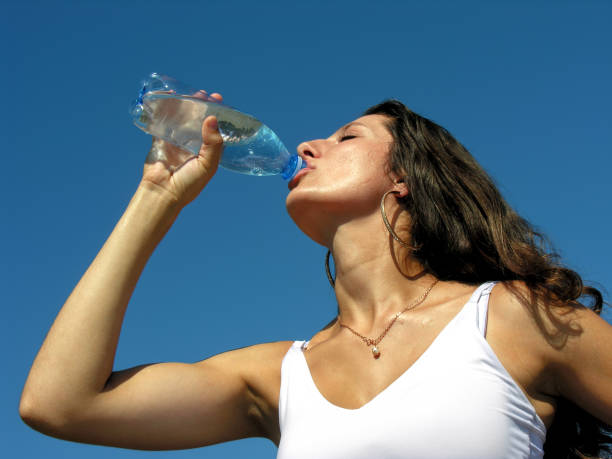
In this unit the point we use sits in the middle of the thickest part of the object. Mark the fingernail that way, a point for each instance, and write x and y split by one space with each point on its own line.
214 125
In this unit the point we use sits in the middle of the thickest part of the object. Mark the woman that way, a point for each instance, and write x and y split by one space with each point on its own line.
425 359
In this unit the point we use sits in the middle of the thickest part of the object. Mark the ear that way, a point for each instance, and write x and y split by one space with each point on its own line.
400 189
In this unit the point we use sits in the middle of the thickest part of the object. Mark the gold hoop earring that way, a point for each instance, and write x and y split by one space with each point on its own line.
388 225
331 280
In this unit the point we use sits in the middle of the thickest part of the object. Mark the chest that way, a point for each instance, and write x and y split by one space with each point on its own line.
439 407
345 373
348 375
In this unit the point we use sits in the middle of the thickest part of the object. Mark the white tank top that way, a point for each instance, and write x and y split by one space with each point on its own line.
456 401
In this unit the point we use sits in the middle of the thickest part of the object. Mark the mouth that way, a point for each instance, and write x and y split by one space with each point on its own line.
294 181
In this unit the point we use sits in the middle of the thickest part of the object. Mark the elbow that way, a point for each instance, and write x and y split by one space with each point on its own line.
31 413
40 416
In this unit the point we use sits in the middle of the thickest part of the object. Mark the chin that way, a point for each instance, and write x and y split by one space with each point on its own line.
310 217
319 214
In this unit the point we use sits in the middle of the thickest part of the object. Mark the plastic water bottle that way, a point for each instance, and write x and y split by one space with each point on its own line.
173 111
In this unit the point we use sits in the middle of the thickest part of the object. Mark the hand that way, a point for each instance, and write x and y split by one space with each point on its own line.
177 171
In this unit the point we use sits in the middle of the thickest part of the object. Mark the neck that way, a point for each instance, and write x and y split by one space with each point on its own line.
374 278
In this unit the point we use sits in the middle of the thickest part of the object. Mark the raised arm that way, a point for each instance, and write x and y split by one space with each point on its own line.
71 391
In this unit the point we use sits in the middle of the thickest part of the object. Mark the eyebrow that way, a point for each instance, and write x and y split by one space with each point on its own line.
354 123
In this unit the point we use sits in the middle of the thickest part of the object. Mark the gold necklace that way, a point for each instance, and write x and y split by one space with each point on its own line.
374 342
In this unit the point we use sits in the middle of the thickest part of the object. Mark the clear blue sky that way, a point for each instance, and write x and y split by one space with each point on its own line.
524 85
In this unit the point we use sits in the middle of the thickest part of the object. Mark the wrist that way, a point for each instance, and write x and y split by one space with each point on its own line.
157 198
152 210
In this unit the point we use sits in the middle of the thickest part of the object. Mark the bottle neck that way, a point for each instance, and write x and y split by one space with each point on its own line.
295 164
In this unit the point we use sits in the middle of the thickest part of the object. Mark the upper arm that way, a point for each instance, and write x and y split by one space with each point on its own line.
179 405
584 365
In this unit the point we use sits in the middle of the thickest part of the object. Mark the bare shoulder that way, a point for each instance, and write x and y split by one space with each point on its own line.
256 354
558 328
259 366
561 351
511 310
520 332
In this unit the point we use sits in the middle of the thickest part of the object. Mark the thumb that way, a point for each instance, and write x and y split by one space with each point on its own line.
212 142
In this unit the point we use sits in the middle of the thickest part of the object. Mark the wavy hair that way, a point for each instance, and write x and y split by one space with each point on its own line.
462 229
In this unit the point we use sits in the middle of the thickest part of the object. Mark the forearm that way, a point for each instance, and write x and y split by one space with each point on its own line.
76 358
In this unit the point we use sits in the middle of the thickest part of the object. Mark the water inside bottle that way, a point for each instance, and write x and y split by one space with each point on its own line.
250 147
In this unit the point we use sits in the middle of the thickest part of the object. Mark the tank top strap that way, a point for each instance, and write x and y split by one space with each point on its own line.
480 303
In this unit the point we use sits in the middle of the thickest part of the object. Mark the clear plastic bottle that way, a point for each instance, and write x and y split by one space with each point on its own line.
173 111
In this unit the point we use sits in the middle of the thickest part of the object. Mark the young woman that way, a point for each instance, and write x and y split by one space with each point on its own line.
457 335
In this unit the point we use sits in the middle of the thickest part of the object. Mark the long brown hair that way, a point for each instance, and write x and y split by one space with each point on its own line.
463 230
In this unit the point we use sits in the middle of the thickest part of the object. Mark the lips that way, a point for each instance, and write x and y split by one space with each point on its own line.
294 181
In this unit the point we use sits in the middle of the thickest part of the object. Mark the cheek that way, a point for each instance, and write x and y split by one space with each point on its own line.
363 167
343 192
350 189
351 179
368 172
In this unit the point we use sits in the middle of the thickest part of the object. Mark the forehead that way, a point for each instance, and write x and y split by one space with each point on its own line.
375 124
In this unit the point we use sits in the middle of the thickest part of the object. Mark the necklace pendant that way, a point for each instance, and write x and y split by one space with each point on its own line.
375 352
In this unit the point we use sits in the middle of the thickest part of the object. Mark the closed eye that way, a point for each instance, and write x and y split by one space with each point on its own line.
347 137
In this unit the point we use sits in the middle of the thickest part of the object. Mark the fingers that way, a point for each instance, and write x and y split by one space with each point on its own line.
212 142
210 131
215 96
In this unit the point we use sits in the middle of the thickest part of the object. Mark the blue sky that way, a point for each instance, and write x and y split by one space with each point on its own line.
525 85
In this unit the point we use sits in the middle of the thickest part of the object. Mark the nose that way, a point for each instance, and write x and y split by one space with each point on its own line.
310 149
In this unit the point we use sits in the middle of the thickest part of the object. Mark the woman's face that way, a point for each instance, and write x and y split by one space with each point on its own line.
345 178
